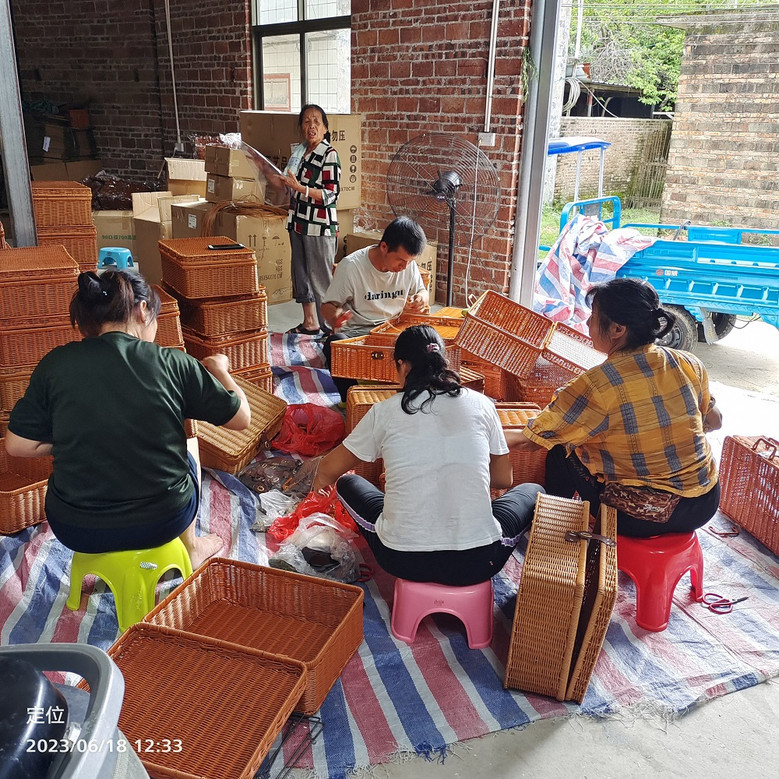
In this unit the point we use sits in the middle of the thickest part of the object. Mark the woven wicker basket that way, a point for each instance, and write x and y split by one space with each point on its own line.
359 400
387 333
497 383
261 375
504 333
13 385
227 315
36 282
362 358
566 596
571 351
528 467
211 709
244 350
61 204
26 346
471 378
315 621
749 476
542 383
231 450
22 498
195 271
80 242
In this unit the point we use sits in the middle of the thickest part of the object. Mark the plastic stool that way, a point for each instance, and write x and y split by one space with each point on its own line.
415 600
115 255
132 576
656 564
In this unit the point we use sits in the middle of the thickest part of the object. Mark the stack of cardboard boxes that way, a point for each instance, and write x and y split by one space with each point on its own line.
230 175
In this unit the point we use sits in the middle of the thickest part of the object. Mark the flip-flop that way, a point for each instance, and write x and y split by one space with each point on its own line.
300 330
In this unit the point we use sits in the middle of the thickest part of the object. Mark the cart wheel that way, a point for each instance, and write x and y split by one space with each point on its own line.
723 324
684 333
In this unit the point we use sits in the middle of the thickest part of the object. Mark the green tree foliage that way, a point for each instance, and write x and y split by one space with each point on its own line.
624 43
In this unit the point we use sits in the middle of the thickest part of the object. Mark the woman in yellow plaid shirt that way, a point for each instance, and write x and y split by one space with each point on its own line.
637 420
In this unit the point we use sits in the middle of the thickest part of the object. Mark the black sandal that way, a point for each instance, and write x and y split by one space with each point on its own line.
300 330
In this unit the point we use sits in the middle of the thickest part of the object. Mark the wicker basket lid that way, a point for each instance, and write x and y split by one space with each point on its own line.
37 261
224 341
196 250
59 188
267 413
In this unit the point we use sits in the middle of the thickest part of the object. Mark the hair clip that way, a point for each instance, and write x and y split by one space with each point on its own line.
433 347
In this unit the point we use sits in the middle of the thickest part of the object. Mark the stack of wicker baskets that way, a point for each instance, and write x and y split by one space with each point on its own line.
36 285
63 216
223 307
523 355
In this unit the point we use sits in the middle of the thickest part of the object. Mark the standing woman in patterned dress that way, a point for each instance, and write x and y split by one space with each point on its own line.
312 220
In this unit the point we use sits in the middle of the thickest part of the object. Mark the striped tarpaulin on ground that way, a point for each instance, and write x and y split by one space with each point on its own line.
394 698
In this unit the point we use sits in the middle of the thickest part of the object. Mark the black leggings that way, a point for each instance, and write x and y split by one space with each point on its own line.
341 384
514 512
567 475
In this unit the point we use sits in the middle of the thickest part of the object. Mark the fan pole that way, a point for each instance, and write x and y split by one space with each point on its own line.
450 263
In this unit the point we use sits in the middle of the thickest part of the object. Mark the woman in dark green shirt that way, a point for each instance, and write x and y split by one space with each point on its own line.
111 409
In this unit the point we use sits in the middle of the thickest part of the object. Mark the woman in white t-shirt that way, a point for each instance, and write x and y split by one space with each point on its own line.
443 449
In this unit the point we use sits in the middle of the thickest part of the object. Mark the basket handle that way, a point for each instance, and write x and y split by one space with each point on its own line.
585 535
377 355
769 443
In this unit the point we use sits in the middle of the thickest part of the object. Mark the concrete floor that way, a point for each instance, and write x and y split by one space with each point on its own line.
730 737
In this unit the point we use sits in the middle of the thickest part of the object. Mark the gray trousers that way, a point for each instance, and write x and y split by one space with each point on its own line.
312 267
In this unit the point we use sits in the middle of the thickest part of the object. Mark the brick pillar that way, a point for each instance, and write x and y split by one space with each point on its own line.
421 66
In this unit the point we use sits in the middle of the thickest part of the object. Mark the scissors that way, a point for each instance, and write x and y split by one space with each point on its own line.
718 604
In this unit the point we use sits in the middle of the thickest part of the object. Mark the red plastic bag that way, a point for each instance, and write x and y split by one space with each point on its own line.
309 429
313 503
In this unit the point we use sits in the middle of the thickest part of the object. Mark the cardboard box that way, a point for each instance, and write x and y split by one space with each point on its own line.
345 226
426 260
82 169
152 221
187 218
186 177
229 162
49 171
269 239
220 188
115 228
273 133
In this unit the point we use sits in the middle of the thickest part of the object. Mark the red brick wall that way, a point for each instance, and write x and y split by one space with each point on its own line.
114 53
421 66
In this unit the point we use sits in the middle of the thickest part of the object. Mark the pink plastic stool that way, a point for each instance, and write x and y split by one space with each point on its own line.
656 564
415 600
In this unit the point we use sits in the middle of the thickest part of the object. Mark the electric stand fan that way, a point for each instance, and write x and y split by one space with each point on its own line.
436 173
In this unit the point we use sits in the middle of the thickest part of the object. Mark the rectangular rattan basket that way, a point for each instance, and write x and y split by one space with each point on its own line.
359 400
61 204
447 327
22 497
227 315
497 382
195 271
504 333
35 282
244 350
315 621
261 375
80 242
13 385
231 450
566 595
749 476
370 357
201 708
26 346
527 466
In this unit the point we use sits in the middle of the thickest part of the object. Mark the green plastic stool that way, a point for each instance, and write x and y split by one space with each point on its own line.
132 577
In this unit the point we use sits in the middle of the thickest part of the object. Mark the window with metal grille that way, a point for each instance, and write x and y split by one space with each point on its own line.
302 54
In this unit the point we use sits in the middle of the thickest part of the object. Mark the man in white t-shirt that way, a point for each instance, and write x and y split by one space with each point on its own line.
374 284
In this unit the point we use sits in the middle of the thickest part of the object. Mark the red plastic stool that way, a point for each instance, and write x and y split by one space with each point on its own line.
471 604
656 564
